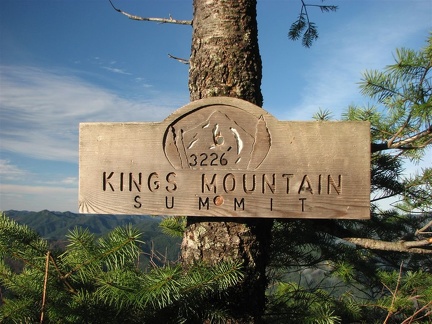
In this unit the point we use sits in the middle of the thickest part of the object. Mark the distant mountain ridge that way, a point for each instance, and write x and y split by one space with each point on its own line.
54 226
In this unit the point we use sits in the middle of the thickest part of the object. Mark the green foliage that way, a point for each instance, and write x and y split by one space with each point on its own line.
404 90
100 281
322 115
292 303
21 242
317 276
311 263
174 226
401 127
417 193
54 226
304 28
408 296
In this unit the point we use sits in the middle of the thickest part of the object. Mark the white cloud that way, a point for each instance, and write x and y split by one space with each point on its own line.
35 189
9 171
116 70
41 109
33 197
70 181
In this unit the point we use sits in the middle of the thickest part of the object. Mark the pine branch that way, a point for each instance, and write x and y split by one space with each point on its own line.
401 246
400 130
166 287
384 196
427 133
21 242
304 26
173 226
323 8
169 20
110 249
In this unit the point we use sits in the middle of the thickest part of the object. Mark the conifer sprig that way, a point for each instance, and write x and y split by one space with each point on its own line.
97 280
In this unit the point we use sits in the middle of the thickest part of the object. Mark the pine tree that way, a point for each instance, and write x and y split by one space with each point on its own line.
99 281
323 271
378 270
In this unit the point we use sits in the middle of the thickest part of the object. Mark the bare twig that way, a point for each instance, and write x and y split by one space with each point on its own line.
413 316
45 287
155 257
62 277
423 229
169 20
394 294
181 60
384 197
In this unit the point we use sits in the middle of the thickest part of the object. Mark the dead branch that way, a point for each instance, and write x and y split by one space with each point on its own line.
169 20
394 294
45 287
181 60
424 228
413 316
400 246
61 276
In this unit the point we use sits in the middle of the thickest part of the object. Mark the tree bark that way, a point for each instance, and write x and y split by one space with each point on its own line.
225 61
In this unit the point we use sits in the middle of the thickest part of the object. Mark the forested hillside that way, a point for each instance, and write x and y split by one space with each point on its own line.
54 226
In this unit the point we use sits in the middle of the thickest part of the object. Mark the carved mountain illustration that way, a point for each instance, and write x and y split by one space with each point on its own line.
217 138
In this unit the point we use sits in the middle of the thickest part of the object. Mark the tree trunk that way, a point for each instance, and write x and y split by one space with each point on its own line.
225 61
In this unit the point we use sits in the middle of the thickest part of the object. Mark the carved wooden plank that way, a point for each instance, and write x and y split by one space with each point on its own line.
226 157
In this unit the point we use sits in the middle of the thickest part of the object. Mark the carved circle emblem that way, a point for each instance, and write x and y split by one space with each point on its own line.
217 137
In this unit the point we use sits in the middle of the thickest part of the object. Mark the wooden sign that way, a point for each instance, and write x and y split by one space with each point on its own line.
226 157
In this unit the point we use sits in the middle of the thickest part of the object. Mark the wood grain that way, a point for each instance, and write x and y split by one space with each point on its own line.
226 157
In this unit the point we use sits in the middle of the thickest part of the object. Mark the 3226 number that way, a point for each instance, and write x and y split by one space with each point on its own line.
208 160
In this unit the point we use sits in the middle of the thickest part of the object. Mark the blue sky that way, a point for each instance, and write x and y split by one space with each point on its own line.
63 62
